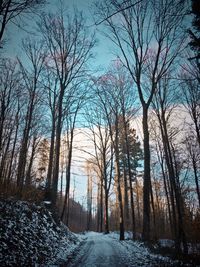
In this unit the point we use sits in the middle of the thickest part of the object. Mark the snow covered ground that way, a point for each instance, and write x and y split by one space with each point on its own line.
29 236
106 250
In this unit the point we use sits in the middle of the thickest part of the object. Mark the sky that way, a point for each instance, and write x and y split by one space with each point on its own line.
102 58
103 52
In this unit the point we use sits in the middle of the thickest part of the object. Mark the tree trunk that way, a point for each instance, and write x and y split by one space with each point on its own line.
68 176
121 215
21 165
101 206
3 157
25 139
196 126
168 202
54 188
147 178
13 149
154 215
175 193
106 222
50 165
196 179
130 177
138 204
28 174
98 208
126 202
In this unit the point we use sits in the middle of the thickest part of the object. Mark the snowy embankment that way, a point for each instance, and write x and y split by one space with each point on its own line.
29 236
139 255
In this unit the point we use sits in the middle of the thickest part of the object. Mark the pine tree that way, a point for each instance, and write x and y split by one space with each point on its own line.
129 155
135 150
195 33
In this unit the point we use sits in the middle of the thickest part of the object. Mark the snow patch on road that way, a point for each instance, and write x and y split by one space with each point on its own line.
106 250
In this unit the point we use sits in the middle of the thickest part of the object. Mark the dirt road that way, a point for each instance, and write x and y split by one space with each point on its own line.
99 250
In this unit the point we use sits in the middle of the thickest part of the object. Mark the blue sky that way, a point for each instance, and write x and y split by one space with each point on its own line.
103 52
102 58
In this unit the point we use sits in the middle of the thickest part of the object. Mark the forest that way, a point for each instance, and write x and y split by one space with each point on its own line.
135 122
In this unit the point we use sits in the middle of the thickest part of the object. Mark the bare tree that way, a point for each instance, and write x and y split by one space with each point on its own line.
9 116
193 153
103 154
51 90
12 11
149 37
190 82
31 81
78 96
69 47
89 195
164 103
112 90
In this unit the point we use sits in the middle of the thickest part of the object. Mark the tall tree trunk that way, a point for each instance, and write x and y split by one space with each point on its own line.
51 163
180 206
196 179
106 191
68 176
28 174
129 176
13 148
98 212
2 119
119 193
138 204
25 139
168 201
106 222
89 203
101 206
175 193
68 169
126 200
21 165
147 178
4 156
197 128
54 188
154 215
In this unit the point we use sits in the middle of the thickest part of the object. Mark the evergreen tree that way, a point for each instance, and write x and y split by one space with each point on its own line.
195 33
134 147
130 154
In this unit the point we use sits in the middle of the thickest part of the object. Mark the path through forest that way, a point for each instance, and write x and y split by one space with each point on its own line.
106 250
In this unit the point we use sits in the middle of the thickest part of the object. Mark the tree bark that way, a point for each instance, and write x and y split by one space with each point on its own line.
130 177
106 191
54 188
68 175
101 205
13 148
126 200
196 179
106 223
174 186
28 174
51 163
121 215
147 178
25 139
